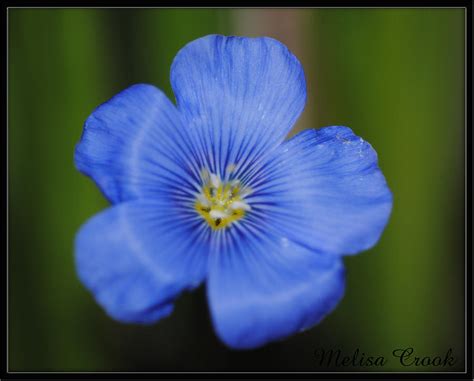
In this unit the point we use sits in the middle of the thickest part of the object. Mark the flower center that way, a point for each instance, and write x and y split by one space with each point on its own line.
221 203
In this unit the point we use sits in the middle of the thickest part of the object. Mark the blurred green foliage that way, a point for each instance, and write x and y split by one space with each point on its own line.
396 76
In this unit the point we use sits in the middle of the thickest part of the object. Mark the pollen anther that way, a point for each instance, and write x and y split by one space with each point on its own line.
220 202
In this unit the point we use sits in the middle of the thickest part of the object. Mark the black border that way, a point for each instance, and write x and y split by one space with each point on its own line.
209 4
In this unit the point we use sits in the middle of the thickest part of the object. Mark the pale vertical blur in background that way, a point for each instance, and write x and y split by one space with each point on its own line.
395 76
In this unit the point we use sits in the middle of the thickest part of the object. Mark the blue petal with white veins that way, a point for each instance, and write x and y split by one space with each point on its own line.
323 188
137 256
135 145
263 287
240 97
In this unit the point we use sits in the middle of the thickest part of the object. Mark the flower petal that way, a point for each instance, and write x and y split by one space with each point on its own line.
135 146
323 189
262 287
243 95
137 256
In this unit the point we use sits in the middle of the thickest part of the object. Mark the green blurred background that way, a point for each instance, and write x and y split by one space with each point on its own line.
395 76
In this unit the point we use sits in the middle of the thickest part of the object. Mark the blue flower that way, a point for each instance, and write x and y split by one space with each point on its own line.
209 191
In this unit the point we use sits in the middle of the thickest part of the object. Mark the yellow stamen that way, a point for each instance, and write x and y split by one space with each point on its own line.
221 203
